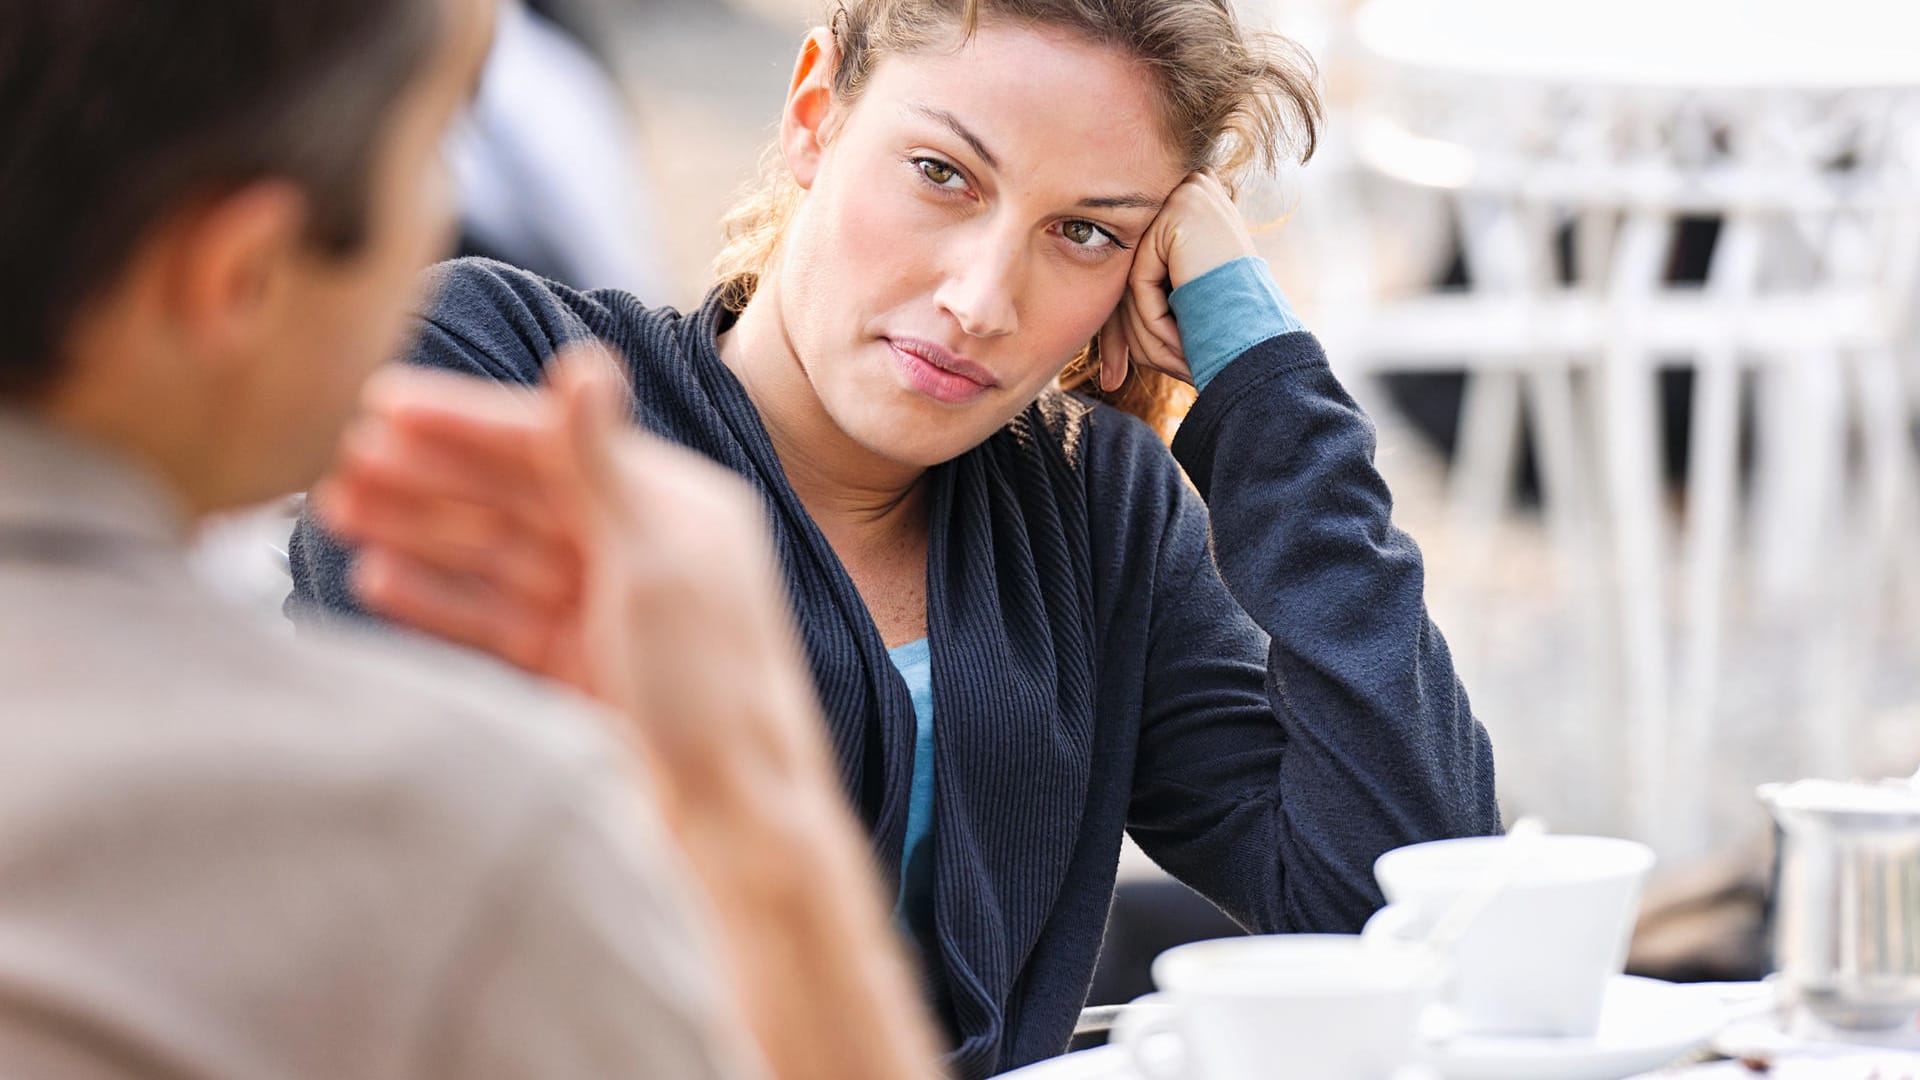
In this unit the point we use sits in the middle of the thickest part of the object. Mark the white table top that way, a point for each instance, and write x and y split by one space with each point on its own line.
1705 44
1748 1028
1110 1063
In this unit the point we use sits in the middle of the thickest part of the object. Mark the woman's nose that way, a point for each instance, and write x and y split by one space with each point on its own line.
981 290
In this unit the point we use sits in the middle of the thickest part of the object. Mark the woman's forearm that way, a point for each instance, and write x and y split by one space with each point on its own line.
1383 741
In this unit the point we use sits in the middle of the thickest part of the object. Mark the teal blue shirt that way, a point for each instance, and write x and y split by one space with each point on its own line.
914 911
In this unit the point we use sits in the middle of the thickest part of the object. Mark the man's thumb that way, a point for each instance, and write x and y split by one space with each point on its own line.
591 392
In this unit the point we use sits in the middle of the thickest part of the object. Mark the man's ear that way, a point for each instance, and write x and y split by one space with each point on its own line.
229 263
809 101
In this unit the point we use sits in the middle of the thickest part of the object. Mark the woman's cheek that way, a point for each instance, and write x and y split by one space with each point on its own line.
887 225
1075 310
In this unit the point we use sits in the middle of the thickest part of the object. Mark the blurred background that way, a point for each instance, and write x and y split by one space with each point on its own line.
1629 289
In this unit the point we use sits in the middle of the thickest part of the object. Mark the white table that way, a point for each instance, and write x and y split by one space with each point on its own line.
1106 1063
1748 1026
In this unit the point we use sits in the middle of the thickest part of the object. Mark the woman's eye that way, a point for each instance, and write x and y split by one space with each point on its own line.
1085 234
940 174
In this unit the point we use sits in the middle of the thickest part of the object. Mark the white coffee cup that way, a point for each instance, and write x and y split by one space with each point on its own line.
1312 1006
1536 958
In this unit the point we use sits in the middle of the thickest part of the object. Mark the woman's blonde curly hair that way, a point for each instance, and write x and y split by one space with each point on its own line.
1233 101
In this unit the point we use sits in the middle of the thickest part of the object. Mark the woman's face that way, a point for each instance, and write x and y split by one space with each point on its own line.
968 226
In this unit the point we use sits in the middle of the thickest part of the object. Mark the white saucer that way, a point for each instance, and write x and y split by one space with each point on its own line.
1763 1033
1644 1024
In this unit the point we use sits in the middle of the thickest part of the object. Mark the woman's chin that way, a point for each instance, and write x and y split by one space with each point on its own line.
917 451
911 437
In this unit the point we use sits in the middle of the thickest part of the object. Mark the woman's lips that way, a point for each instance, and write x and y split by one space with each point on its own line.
937 373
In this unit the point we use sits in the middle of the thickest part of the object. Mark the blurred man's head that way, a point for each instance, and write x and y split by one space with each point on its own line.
211 213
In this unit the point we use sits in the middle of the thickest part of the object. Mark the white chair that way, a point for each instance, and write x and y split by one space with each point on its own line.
1607 125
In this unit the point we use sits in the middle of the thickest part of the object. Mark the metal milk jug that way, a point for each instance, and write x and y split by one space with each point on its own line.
1847 903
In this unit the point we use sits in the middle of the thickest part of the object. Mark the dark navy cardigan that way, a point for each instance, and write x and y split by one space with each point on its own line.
1239 672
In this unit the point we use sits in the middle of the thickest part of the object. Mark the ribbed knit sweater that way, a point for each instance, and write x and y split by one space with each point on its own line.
1239 671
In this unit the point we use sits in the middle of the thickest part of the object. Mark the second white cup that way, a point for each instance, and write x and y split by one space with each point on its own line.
1536 959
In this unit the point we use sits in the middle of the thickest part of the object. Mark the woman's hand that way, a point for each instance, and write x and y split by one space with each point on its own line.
1197 230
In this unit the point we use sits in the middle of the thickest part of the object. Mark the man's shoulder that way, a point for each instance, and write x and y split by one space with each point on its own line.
165 691
438 767
365 819
443 707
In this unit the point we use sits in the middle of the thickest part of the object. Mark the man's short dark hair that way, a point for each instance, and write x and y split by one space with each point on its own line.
113 113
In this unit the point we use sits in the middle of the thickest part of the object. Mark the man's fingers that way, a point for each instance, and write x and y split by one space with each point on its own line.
475 466
461 609
595 409
503 450
430 397
463 538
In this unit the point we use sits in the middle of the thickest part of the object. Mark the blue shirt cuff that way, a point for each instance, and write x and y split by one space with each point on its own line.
1226 311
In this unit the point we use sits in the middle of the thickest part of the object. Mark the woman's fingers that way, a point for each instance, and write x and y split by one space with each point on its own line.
1201 229
1149 348
1147 297
1113 349
1152 336
1148 293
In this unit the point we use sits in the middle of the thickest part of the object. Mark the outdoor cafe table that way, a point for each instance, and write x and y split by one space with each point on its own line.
1747 1026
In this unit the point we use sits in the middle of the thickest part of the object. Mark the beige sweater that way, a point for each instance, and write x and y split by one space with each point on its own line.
226 853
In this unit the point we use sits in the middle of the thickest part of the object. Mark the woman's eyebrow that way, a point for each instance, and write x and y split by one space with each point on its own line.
1130 201
952 123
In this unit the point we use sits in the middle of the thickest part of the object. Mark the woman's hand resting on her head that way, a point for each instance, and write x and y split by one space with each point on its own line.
1198 229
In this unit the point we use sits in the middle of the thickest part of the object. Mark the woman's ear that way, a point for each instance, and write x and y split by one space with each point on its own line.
803 122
